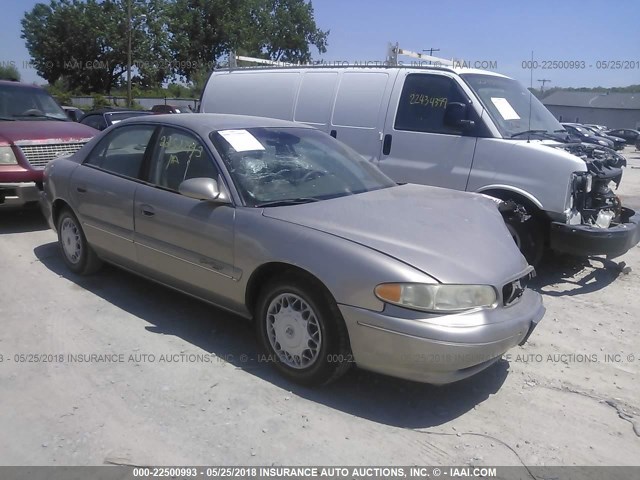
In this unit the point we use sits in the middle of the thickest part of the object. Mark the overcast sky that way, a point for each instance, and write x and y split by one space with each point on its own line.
500 32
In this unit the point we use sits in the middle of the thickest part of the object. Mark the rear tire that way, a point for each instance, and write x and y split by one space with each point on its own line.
76 252
302 331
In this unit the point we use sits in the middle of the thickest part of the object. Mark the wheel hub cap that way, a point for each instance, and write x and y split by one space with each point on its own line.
71 243
293 330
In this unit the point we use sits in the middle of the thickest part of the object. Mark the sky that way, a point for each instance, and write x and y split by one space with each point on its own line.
497 34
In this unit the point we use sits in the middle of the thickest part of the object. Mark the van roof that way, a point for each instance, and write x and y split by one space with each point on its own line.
458 71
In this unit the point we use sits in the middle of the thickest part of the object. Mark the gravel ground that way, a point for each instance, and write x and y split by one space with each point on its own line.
568 397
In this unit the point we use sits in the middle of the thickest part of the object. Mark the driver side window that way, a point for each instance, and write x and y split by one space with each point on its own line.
423 102
179 156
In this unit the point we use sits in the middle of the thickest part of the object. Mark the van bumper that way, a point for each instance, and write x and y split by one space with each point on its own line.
584 240
16 195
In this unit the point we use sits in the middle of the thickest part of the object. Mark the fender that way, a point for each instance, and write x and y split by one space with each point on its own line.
510 188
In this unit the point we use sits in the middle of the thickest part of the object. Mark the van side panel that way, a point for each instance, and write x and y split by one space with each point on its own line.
530 167
359 109
270 95
315 98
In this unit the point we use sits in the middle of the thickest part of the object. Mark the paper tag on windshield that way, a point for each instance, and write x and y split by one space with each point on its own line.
241 140
505 108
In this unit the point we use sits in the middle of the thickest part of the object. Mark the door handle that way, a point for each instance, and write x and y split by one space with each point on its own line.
386 146
81 189
334 133
147 210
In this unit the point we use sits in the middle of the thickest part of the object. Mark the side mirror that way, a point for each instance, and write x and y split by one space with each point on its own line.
455 116
203 189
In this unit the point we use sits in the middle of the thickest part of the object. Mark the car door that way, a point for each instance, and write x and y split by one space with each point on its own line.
103 188
418 147
181 241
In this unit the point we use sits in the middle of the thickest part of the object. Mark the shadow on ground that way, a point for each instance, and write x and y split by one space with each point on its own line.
374 397
564 275
22 221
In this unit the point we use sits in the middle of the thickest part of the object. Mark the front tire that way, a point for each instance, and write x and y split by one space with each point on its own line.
302 331
76 251
529 237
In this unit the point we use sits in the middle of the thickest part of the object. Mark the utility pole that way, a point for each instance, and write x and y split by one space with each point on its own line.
543 81
129 54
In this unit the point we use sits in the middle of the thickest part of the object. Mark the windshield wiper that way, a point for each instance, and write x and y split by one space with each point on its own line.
287 201
527 132
8 119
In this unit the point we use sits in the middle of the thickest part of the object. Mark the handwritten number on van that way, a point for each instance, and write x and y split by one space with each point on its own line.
426 101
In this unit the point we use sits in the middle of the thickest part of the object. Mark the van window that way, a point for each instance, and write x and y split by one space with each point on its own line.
316 97
359 98
423 102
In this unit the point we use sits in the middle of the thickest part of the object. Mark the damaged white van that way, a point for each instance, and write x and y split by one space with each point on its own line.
464 129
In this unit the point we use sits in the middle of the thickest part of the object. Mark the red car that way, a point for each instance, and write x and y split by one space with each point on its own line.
33 130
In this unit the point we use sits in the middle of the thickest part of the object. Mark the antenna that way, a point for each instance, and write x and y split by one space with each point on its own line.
530 100
543 81
430 50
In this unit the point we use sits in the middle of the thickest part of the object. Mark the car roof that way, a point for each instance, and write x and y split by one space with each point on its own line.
207 122
15 83
114 110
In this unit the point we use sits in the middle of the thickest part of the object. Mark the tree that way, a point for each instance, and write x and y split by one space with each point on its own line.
86 42
204 30
9 72
282 30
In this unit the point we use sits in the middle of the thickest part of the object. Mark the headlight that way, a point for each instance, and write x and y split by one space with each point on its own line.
7 156
437 297
602 142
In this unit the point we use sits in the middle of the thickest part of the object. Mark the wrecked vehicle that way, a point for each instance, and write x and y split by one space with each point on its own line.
457 128
280 223
34 129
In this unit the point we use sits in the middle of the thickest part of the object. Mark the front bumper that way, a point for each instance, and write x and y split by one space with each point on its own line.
584 240
430 351
47 209
14 195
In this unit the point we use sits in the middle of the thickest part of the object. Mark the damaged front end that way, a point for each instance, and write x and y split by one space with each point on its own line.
597 223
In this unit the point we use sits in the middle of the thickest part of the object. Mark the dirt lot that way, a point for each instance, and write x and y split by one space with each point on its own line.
571 396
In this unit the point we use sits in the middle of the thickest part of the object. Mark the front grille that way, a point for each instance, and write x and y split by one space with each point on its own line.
512 291
39 155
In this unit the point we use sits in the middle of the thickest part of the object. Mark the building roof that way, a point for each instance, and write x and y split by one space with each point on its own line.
626 101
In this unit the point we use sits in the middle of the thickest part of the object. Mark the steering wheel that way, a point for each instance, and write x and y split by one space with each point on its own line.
311 175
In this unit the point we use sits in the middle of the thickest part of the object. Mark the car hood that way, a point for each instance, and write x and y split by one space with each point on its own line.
453 236
44 131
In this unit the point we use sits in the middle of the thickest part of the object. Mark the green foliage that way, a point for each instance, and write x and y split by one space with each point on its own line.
99 102
86 41
9 72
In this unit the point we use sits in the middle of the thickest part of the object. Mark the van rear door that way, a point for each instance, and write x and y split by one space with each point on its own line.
418 147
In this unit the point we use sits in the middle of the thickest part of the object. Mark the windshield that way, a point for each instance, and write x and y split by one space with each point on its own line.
508 104
296 165
26 103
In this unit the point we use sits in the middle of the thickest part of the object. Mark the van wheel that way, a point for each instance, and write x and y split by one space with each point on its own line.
302 331
529 237
76 251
